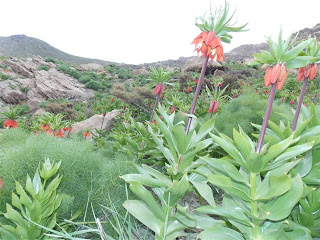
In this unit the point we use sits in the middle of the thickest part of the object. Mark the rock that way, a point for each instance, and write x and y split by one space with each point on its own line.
91 66
39 112
39 86
140 71
10 92
245 51
95 122
195 65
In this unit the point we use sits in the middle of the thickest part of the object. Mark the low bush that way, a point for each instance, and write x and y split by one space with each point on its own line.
86 173
68 70
245 110
95 85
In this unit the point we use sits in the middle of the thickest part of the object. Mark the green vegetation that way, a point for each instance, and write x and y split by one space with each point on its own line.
85 172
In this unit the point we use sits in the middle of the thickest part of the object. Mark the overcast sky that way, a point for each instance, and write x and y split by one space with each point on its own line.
140 31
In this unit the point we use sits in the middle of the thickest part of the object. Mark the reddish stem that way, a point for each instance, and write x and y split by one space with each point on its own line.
154 107
266 118
197 92
296 116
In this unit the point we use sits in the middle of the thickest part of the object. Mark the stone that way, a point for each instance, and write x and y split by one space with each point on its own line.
40 86
195 65
91 66
95 122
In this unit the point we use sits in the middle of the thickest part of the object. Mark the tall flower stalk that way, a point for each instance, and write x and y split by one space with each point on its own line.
160 77
306 73
282 56
215 29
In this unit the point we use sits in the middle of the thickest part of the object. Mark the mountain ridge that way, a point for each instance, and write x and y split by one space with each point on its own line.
20 45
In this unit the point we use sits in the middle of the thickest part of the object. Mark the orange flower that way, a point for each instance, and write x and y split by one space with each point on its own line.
59 134
9 123
208 44
276 74
213 106
173 109
1 183
45 127
86 134
309 71
159 89
189 89
196 80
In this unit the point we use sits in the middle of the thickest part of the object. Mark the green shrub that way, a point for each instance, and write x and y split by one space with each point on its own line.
95 85
84 170
4 77
48 59
86 78
70 71
245 110
43 67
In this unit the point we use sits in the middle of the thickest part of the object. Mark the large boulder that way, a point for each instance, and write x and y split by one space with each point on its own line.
95 122
195 65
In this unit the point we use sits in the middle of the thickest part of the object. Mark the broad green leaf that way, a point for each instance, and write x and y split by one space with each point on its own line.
148 199
300 61
205 191
221 233
177 190
305 165
142 212
229 148
230 187
163 178
289 154
205 128
273 186
281 207
224 167
143 179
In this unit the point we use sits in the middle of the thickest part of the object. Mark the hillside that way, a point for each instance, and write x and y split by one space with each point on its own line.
24 46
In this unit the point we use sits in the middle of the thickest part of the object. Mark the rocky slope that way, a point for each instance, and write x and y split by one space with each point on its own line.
246 51
24 46
33 86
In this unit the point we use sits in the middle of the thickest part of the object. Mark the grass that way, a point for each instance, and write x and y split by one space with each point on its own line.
85 172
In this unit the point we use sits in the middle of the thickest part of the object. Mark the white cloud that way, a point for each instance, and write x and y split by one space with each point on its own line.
144 30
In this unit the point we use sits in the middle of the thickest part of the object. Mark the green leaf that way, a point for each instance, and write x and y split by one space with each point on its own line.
300 61
205 128
229 148
205 191
143 179
176 191
273 186
230 187
289 154
281 207
221 166
142 212
294 52
148 199
221 233
304 167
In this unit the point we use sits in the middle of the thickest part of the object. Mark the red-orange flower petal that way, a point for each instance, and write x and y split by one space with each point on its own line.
9 123
280 83
313 72
216 106
267 76
211 106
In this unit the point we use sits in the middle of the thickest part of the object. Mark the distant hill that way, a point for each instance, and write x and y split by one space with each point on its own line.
24 46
